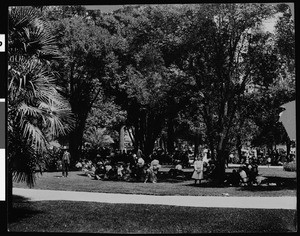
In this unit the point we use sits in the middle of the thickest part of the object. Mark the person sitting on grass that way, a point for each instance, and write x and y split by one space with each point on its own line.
138 170
112 173
120 169
252 173
79 165
89 169
176 171
152 171
234 178
100 171
244 177
126 172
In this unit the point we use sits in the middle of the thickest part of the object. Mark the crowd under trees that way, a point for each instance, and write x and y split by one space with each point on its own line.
206 73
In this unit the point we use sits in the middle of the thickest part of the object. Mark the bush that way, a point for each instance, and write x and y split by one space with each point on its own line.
290 166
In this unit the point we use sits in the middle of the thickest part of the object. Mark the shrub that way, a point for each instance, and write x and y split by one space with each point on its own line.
290 166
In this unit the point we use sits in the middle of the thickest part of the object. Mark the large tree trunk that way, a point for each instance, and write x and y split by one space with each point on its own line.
170 137
153 129
221 157
239 146
196 143
75 142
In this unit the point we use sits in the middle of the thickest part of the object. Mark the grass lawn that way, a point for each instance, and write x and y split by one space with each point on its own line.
65 216
91 217
79 182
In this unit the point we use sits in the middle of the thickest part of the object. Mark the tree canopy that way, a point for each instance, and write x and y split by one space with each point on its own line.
207 73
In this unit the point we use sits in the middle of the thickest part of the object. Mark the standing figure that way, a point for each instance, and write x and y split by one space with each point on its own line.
198 169
65 163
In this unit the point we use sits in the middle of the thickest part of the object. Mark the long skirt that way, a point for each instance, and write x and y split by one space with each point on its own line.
197 175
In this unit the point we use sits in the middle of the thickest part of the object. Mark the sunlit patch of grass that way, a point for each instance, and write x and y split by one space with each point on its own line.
78 182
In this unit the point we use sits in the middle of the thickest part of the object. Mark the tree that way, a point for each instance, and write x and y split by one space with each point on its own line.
89 59
226 54
106 117
35 106
266 103
148 76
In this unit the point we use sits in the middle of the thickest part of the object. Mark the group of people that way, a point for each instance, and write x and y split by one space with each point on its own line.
246 175
136 170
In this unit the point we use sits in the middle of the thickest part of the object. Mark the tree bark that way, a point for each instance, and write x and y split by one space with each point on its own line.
239 146
196 143
220 166
170 140
75 141
121 138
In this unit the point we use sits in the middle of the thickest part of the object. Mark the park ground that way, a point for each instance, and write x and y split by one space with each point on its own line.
68 216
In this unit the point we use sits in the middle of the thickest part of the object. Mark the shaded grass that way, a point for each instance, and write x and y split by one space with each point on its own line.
65 216
166 186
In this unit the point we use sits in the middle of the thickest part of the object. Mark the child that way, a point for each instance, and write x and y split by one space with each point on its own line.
198 169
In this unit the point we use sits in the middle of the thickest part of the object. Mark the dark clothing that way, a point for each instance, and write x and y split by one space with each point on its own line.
65 168
65 163
100 172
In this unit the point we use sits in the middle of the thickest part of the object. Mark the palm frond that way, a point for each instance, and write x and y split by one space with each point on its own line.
20 17
35 106
33 134
28 35
22 160
26 110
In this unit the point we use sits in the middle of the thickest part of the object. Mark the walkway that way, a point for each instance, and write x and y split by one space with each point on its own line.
190 201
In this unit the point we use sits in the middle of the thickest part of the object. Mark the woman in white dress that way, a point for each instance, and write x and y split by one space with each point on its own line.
198 169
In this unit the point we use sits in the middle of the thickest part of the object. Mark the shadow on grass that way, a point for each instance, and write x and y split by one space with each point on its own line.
18 199
270 184
273 184
171 180
208 185
21 209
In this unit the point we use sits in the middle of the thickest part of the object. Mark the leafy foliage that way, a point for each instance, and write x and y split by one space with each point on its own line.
35 107
207 73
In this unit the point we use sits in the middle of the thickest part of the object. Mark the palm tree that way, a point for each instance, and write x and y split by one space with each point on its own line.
97 137
35 106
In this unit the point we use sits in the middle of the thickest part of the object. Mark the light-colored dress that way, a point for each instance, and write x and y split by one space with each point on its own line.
198 170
